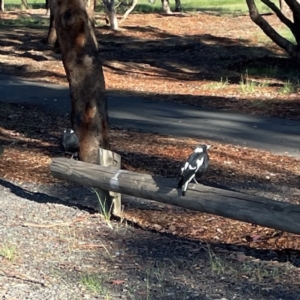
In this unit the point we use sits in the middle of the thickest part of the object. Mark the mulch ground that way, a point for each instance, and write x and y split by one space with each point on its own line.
176 58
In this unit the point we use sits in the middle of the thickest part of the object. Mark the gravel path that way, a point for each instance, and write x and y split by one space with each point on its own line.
53 248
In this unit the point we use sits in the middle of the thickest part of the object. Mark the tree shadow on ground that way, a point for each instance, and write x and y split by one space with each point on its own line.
205 55
168 264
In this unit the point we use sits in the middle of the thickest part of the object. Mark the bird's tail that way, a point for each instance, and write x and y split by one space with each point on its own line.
184 188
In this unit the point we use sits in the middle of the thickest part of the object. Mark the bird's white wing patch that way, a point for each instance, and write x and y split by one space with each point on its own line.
199 162
193 168
186 165
71 131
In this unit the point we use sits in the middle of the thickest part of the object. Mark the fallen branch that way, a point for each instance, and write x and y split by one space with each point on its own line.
22 277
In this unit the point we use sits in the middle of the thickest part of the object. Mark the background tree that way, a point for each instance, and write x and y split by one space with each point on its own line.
166 6
291 20
110 10
83 66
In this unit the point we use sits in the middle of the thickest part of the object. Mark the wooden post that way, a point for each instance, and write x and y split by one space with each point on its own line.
239 206
109 159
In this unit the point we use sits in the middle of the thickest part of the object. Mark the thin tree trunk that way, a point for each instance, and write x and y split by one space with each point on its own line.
52 37
1 5
25 4
166 7
129 10
47 7
178 6
110 10
289 47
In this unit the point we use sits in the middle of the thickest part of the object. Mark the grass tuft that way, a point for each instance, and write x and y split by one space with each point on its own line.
8 252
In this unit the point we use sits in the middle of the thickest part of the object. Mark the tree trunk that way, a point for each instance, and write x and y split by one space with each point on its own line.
84 71
178 6
25 4
52 36
1 5
47 7
166 7
286 10
110 10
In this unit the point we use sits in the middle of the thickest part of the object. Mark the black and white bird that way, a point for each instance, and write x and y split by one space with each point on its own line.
70 142
197 163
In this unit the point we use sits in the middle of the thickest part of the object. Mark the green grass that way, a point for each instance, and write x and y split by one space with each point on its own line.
95 283
218 6
219 84
26 22
248 85
17 4
288 88
8 252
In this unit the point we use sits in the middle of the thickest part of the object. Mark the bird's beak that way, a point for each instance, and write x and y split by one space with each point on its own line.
208 146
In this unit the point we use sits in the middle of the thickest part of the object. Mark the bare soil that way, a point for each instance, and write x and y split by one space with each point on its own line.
64 250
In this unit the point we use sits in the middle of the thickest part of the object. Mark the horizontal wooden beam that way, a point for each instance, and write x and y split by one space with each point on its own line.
239 206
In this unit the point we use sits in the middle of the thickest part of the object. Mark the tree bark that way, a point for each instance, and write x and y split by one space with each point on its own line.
178 6
47 6
239 206
110 10
84 71
52 35
166 7
294 7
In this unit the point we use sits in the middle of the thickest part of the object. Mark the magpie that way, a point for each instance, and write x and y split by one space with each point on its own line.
70 142
197 163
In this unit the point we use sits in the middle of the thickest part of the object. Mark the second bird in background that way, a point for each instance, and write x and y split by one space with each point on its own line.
70 143
197 163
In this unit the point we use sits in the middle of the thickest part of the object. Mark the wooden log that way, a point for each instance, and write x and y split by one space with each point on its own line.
239 206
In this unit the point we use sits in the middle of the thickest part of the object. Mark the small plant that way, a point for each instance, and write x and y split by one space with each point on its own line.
220 84
217 265
95 284
288 88
247 85
103 209
8 252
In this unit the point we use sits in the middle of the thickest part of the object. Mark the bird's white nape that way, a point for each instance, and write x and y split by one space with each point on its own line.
199 150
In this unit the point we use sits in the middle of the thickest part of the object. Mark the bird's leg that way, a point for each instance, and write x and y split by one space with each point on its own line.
195 180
